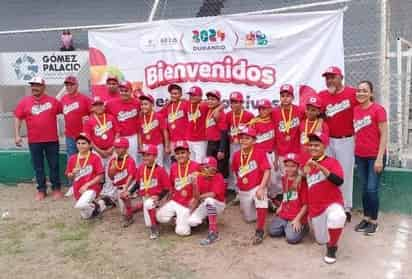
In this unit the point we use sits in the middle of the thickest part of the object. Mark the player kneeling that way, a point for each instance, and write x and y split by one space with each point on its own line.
291 219
154 185
211 186
324 175
121 171
86 170
253 173
183 193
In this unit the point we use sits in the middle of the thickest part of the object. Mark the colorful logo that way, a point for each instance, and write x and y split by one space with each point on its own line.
208 36
25 67
256 38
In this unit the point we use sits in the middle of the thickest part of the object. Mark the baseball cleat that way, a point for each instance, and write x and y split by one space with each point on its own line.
69 192
361 226
330 257
154 232
211 238
258 238
127 221
348 217
371 229
96 212
108 202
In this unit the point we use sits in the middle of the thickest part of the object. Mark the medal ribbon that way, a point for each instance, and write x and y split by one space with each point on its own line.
102 126
147 180
242 154
85 160
122 165
210 112
146 124
179 173
192 113
174 112
320 158
288 123
312 128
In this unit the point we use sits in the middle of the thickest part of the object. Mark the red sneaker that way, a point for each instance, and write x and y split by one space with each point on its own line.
40 196
57 195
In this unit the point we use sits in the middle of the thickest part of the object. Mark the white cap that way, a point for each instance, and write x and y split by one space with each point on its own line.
37 80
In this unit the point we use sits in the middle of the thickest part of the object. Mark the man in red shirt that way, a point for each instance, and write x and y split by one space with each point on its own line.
152 128
112 89
126 111
184 193
253 173
196 128
324 176
40 113
212 190
236 119
339 101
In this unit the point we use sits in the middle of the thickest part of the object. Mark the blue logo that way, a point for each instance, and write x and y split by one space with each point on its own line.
25 67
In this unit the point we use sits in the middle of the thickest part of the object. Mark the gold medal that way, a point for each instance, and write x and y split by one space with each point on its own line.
287 138
184 193
173 126
104 136
245 180
148 137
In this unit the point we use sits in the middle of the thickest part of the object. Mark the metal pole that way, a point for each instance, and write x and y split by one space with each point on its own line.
399 106
153 11
407 101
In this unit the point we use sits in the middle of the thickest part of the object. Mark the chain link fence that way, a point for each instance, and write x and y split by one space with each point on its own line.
371 31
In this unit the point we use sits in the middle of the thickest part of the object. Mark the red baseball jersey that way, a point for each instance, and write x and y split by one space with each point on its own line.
196 116
76 109
293 200
156 184
307 127
182 189
126 114
215 184
122 174
177 122
234 121
265 134
322 192
215 125
40 116
250 175
367 133
339 111
88 171
102 137
287 142
152 133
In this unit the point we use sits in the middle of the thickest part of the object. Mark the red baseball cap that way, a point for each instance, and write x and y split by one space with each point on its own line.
37 80
214 93
97 100
333 70
126 84
121 143
314 101
236 96
264 103
292 157
173 86
322 137
149 149
71 79
286 88
210 162
181 144
147 97
83 136
248 131
112 77
195 91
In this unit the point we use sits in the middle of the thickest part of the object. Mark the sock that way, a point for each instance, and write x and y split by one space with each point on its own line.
334 235
127 207
261 218
152 215
212 217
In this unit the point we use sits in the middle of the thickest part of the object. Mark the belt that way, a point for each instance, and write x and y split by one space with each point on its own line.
342 137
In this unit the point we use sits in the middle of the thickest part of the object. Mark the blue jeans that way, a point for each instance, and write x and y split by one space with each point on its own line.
370 181
51 151
71 147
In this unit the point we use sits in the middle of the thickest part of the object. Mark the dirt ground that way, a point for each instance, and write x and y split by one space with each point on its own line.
49 240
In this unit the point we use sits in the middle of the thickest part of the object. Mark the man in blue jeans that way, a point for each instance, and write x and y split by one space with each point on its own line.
40 111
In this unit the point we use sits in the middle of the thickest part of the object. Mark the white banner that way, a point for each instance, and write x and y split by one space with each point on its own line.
17 68
253 54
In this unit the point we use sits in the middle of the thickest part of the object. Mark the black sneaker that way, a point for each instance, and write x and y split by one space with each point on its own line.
127 221
211 238
96 212
361 226
330 257
154 232
371 229
348 217
258 239
108 202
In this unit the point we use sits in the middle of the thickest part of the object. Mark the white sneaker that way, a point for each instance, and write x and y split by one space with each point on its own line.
69 192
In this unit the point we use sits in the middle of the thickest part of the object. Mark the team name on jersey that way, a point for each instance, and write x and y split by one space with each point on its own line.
83 172
265 136
362 123
295 123
194 116
153 183
315 178
290 196
69 108
37 109
234 131
171 117
332 110
150 126
124 115
247 169
100 131
120 176
210 122
180 183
